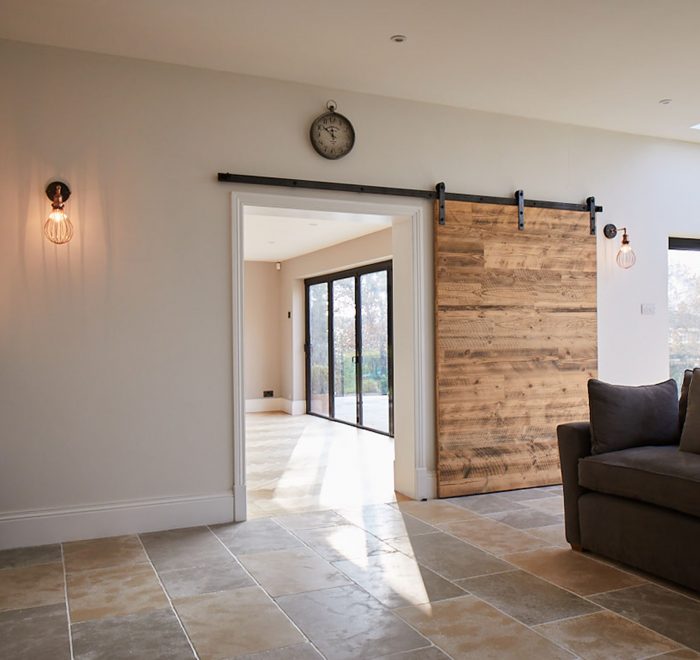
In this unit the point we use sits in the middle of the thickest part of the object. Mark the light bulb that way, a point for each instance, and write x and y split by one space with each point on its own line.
625 256
58 228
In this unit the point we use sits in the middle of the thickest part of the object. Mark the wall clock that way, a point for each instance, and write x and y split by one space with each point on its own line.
332 134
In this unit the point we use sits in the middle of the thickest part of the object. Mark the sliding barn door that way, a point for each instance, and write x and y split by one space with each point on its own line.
515 334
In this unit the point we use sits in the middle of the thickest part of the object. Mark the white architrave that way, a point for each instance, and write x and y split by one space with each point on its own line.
413 474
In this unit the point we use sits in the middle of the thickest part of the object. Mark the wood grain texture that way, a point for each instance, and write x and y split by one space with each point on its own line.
515 342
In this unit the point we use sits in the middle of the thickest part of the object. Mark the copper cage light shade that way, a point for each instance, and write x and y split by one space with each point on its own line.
58 228
625 257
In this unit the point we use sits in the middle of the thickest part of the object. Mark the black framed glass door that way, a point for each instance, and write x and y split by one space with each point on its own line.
349 353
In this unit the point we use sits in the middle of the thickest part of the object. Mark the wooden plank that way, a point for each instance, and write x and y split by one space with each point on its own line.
515 342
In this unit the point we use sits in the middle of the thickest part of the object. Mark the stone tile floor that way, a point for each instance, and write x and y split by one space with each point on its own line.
487 576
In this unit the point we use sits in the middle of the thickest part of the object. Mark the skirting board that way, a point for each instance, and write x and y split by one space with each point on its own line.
275 405
41 526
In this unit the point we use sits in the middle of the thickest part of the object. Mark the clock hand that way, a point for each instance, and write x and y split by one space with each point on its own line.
332 130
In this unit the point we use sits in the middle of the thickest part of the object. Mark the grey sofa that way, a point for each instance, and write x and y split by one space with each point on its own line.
639 506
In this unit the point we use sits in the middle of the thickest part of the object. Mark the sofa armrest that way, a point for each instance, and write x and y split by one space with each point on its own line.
574 444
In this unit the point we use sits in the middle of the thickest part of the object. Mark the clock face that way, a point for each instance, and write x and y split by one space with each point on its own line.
332 135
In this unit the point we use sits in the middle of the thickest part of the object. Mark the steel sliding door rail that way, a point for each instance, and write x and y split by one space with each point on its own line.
227 177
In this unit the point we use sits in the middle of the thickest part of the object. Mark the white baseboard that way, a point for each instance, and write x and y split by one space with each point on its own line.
294 407
264 405
275 405
41 526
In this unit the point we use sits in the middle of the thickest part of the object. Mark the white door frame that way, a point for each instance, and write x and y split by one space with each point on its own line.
414 471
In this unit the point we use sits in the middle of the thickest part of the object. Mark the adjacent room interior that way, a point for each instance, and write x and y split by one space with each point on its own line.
349 330
318 360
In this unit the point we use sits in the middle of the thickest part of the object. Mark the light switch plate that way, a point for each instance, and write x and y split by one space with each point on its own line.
648 309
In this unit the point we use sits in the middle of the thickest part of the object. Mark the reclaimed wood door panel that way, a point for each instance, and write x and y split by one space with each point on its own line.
515 342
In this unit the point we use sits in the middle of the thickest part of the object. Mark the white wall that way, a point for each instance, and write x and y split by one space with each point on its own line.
263 329
115 350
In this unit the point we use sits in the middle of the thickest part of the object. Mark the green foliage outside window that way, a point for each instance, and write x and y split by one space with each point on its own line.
683 311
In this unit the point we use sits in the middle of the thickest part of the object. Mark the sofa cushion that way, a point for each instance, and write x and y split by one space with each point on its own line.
683 401
690 437
625 416
657 475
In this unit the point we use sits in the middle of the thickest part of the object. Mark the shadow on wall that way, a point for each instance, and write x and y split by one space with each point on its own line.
57 278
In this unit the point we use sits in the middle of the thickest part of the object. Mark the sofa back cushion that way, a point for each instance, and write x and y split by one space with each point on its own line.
690 438
683 402
624 416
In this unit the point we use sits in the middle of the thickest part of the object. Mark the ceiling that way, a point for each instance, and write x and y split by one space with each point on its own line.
274 234
601 63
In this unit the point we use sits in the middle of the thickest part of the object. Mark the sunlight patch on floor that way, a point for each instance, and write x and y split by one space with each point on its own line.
306 463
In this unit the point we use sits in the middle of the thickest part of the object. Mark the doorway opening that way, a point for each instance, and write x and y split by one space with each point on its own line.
349 347
298 457
341 466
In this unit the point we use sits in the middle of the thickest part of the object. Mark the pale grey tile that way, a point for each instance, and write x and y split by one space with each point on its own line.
449 557
34 634
603 635
526 597
556 490
311 519
183 548
526 518
38 554
386 522
343 542
551 505
296 652
154 635
659 609
262 535
346 622
219 575
396 580
527 494
487 503
428 653
293 571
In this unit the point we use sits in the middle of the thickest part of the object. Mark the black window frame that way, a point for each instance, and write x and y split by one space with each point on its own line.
328 279
680 243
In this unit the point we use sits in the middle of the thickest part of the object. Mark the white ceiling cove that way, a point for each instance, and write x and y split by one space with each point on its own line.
280 234
601 63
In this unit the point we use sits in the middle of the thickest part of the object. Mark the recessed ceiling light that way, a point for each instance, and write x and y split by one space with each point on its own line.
313 224
665 101
696 127
398 38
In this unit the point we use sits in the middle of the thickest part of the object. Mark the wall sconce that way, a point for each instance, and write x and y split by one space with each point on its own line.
625 256
58 228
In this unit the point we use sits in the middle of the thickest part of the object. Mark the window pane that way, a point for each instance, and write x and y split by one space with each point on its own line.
344 355
318 348
684 310
375 350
